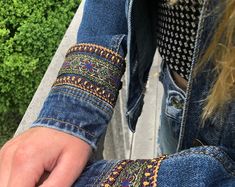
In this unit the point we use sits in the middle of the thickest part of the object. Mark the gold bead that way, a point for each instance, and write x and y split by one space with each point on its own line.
147 174
120 167
145 183
111 179
149 166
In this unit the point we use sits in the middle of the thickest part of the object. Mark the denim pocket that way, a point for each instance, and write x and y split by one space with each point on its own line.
174 105
174 97
171 112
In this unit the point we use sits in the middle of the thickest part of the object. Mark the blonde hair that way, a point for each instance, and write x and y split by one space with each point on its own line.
222 50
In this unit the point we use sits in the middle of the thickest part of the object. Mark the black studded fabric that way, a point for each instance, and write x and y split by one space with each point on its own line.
177 26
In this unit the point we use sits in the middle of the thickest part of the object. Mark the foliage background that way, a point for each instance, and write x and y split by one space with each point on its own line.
30 31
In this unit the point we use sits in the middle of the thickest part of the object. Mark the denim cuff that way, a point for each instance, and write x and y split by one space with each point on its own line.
84 94
199 166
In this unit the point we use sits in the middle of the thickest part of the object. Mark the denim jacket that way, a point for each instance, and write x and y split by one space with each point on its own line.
206 166
82 98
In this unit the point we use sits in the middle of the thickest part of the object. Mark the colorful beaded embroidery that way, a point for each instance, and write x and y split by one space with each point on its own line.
138 173
99 50
94 69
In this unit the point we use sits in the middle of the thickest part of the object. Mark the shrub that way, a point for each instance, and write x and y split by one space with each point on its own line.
30 31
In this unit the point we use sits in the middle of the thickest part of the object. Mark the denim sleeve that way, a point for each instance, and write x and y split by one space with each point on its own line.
82 98
208 166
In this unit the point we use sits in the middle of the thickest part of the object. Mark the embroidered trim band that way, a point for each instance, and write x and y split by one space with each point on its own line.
99 50
94 69
138 173
86 85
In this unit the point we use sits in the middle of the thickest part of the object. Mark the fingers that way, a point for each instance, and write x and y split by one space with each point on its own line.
25 159
65 172
25 170
6 154
43 178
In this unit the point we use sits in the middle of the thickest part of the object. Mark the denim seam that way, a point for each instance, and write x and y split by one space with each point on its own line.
223 162
68 123
117 41
203 151
114 46
81 97
78 98
91 142
120 41
178 120
190 81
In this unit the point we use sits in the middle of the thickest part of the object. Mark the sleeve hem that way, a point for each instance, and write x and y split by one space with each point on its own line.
67 128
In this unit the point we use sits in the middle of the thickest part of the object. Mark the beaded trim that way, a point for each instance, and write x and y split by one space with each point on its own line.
138 173
99 50
86 85
97 70
99 75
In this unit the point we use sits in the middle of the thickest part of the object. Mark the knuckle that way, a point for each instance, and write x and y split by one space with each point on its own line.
19 157
23 154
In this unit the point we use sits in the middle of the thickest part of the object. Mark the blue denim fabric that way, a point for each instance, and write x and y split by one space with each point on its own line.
104 23
219 129
171 112
127 25
201 166
76 111
197 167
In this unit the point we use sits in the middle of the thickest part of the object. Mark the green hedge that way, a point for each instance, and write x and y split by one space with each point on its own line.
30 31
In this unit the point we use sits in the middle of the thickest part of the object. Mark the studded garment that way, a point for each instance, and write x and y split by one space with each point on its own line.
176 33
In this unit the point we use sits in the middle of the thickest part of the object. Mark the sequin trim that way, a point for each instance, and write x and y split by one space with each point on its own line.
94 69
138 173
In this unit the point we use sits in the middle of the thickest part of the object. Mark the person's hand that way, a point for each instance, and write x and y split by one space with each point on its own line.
28 159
